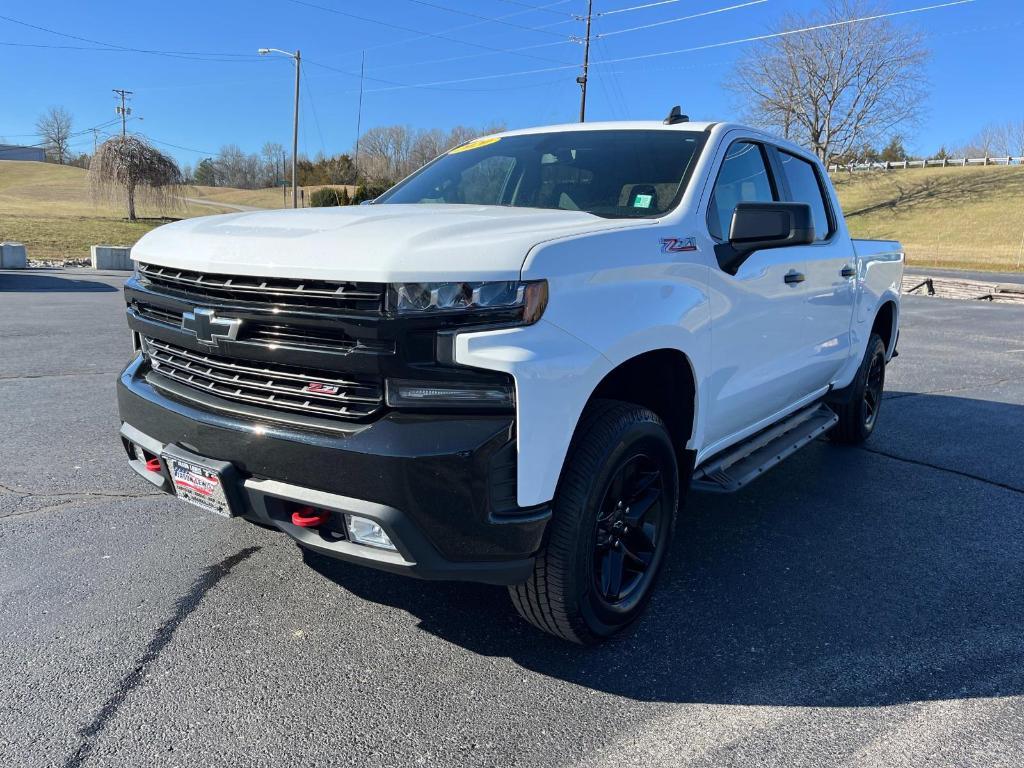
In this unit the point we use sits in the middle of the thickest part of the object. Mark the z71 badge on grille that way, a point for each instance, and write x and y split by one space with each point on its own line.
319 388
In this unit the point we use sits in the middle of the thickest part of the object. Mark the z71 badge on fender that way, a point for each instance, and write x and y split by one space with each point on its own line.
678 244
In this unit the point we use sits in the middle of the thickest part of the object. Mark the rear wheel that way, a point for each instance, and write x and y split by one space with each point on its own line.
614 514
858 410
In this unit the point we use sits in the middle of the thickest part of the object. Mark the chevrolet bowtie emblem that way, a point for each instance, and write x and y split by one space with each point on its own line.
208 328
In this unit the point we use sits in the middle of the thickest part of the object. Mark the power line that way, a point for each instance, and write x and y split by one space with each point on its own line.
398 86
72 135
115 46
485 19
421 33
709 46
471 55
316 119
684 18
473 24
546 8
377 79
637 7
176 146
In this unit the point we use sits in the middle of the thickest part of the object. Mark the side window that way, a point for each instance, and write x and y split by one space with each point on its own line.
743 178
805 187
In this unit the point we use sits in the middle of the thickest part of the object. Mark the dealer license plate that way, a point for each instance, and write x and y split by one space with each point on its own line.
199 485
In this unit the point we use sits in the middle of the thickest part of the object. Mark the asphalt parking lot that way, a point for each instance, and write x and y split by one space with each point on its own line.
857 606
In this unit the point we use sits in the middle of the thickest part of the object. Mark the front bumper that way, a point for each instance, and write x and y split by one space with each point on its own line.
441 486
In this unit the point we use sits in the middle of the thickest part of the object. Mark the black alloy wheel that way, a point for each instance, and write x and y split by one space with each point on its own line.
629 528
612 522
873 390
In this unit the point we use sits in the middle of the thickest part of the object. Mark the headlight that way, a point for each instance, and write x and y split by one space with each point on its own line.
527 299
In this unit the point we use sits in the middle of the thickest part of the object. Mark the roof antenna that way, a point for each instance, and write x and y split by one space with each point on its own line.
676 116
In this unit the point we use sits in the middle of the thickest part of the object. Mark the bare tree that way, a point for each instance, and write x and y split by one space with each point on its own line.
54 126
127 169
996 140
391 152
991 141
1015 138
274 159
835 88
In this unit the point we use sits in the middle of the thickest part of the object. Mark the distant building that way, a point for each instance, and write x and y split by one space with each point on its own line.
14 152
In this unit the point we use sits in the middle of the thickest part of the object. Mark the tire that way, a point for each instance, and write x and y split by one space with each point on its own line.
595 574
858 411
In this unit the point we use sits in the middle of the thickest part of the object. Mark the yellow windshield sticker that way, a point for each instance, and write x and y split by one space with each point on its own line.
476 144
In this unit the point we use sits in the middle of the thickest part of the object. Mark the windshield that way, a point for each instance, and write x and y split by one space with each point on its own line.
616 174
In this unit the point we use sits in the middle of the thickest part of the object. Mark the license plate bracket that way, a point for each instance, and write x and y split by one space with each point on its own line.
204 483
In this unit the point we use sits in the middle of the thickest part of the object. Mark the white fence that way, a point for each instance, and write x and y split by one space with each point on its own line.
942 162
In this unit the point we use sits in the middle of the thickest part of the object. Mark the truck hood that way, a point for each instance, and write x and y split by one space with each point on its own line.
373 243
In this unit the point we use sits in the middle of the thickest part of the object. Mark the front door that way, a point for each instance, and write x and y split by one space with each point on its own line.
758 349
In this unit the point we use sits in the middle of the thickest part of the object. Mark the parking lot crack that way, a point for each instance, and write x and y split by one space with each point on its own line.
161 638
61 500
951 390
940 468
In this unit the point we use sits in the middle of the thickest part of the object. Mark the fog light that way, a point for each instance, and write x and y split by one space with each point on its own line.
364 531
426 394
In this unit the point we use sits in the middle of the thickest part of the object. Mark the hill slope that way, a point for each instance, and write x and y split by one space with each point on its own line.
48 207
959 218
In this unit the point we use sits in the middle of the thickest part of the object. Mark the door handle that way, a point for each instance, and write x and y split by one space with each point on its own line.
848 271
792 277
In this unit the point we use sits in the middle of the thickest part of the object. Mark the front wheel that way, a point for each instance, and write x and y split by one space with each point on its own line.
613 519
858 411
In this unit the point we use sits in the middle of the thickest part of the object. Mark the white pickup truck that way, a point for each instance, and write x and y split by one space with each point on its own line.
513 364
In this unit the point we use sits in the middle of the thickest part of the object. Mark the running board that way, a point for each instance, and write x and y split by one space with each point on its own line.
747 461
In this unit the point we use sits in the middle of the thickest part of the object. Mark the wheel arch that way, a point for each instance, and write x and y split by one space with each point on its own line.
662 380
885 324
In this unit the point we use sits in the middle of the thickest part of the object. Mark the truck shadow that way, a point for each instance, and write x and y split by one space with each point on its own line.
28 282
844 577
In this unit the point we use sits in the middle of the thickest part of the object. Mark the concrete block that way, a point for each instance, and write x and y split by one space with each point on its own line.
111 257
13 256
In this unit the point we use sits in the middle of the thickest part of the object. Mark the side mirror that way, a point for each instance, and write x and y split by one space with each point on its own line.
758 226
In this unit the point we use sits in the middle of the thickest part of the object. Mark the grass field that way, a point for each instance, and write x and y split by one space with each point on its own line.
957 218
966 218
48 207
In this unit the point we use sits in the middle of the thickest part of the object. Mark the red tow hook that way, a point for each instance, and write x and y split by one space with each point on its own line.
307 517
153 465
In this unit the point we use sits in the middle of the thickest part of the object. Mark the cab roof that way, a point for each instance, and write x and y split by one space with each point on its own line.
612 125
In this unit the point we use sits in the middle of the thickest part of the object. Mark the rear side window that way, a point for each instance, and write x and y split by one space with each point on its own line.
805 187
743 178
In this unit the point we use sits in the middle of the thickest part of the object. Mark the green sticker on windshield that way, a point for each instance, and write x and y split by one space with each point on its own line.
643 201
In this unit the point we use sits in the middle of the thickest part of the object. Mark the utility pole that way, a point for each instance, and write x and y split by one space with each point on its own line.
582 79
359 113
295 133
297 58
95 139
124 110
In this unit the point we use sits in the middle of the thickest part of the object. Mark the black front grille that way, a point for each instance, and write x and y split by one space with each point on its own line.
277 387
312 295
278 334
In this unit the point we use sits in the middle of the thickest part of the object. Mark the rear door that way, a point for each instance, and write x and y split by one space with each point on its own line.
829 267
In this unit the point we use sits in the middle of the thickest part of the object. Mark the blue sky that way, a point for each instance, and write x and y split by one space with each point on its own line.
200 102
